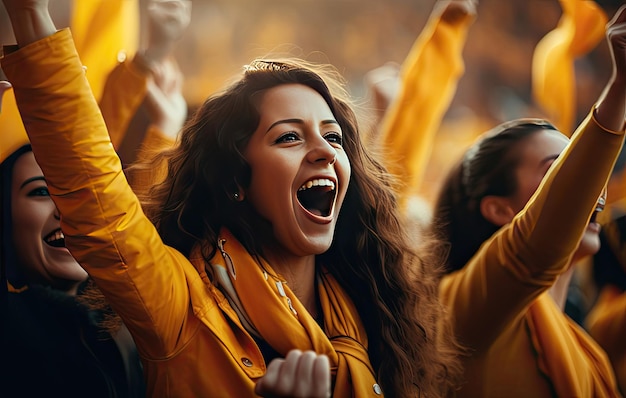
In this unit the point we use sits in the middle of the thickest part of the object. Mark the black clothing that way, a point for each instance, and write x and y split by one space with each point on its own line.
52 346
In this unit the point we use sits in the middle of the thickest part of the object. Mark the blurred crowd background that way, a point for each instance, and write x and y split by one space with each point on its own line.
357 36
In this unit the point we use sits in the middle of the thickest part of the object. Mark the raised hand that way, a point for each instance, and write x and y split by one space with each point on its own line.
456 9
383 82
30 19
167 21
611 107
15 5
164 99
300 374
616 36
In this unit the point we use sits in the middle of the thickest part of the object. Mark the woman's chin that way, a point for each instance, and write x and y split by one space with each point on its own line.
589 245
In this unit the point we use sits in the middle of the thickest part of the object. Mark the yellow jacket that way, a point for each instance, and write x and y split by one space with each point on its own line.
520 344
190 339
607 325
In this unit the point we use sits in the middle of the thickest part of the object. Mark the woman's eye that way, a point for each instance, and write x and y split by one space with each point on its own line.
334 138
40 191
288 137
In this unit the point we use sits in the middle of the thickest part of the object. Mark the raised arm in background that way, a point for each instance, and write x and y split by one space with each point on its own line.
515 213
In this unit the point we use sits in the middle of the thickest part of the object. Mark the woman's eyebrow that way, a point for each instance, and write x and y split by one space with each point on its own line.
548 158
29 180
298 121
285 121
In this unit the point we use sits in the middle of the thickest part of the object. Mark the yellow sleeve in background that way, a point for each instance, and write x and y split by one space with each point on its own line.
579 30
149 169
101 30
606 324
124 89
13 135
429 79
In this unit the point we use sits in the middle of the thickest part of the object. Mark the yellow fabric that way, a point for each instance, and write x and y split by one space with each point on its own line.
607 325
429 79
284 323
124 90
579 30
141 179
103 29
575 364
12 133
489 297
190 339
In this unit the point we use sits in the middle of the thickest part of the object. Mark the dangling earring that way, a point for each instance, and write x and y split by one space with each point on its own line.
238 197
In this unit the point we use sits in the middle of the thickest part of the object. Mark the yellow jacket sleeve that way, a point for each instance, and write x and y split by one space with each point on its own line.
525 257
579 30
429 78
104 29
124 91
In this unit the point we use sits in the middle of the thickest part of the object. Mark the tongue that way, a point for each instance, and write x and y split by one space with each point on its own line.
317 212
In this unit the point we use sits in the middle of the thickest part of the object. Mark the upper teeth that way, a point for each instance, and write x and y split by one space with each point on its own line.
322 182
56 236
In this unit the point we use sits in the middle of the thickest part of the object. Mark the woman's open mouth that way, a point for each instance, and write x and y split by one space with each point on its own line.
317 196
55 238
599 208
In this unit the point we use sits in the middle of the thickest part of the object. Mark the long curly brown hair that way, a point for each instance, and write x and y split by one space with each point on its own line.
393 287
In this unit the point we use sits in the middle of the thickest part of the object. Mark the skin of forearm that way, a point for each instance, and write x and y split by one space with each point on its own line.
157 52
611 108
31 24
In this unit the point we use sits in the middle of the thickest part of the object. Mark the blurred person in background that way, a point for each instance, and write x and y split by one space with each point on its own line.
515 213
142 102
606 321
428 82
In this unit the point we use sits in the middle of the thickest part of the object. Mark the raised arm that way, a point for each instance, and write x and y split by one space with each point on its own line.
30 19
526 256
429 77
611 108
142 102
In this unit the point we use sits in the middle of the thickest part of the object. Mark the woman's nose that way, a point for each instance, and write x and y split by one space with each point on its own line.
322 151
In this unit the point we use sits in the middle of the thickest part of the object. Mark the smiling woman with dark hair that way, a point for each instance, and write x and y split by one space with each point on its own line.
278 265
48 331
